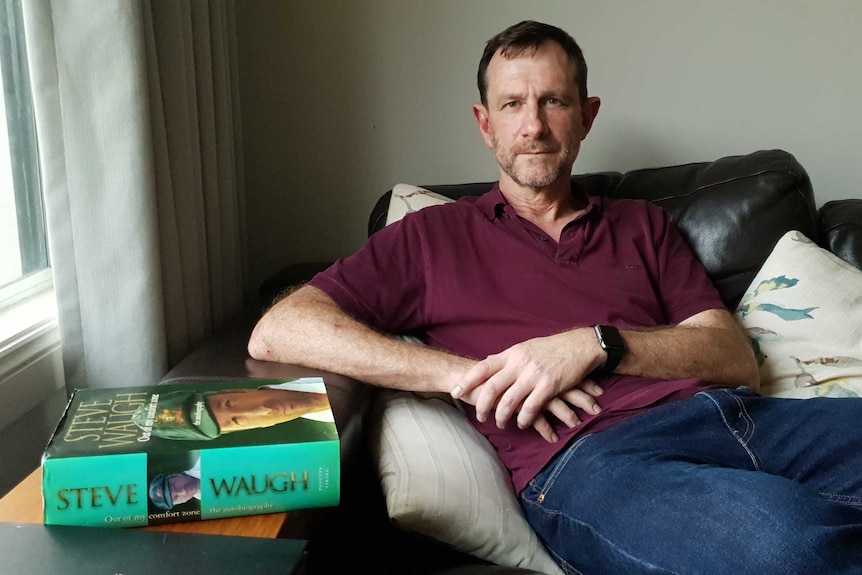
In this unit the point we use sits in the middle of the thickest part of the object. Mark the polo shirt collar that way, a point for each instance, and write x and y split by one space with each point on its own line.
493 202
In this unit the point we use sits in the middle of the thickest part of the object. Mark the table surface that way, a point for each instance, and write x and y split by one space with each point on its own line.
23 504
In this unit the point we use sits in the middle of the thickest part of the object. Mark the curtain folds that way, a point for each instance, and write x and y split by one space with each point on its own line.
191 75
137 122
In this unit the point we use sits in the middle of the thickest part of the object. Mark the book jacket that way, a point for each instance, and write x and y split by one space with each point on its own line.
126 457
27 549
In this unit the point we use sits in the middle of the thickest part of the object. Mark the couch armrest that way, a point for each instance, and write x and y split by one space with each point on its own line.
361 514
361 517
224 356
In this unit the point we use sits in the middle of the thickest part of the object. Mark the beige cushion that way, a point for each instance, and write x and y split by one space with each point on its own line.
440 477
407 198
803 313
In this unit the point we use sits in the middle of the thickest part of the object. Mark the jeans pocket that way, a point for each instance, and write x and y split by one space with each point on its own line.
536 490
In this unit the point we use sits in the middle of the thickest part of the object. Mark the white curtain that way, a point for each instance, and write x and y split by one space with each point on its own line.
138 130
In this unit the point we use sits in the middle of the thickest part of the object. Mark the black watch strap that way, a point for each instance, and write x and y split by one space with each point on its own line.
612 342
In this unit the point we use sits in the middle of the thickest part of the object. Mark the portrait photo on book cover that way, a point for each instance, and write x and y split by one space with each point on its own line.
174 487
240 413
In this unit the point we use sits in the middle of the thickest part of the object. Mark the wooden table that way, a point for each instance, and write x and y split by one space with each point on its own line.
23 504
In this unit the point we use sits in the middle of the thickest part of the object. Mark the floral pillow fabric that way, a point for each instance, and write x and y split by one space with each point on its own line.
803 314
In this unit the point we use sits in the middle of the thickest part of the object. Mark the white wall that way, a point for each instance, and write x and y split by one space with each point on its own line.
341 99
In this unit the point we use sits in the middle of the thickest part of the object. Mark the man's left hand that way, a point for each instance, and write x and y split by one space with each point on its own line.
545 374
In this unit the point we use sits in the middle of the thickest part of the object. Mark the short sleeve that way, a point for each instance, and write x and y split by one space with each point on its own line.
383 284
684 286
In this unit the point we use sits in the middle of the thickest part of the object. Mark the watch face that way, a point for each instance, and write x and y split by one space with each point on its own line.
610 337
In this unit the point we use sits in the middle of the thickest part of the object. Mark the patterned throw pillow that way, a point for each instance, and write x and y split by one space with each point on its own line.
803 314
440 477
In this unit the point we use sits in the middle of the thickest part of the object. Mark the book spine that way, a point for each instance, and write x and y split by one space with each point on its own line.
117 490
109 491
240 481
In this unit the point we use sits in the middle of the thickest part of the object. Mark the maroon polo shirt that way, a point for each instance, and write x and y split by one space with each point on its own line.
473 278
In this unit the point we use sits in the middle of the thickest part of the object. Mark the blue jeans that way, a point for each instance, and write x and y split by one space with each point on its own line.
724 483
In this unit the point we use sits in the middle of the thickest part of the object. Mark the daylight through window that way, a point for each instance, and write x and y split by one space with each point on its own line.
23 246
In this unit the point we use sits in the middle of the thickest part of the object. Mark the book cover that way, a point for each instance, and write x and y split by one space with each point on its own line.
126 457
28 549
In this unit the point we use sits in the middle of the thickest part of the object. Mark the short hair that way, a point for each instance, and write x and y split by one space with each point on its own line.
530 35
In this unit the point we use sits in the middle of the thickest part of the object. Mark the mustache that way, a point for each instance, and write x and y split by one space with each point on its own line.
536 149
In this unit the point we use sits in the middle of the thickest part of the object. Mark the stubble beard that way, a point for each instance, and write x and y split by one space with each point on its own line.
534 171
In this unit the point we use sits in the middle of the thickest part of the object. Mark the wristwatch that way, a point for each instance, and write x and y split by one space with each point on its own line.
613 344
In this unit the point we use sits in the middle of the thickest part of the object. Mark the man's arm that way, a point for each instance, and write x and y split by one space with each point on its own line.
709 345
308 328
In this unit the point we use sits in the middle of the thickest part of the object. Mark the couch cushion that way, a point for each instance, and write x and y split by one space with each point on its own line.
407 198
443 480
803 313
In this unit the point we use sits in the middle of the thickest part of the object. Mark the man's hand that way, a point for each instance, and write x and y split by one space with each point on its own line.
545 374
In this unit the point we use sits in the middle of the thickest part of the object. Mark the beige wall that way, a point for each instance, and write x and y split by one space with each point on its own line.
342 99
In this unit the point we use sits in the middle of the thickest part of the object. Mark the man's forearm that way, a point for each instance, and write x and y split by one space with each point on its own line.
710 346
307 328
524 378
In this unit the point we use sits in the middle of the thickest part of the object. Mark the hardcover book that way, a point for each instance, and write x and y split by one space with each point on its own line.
126 457
27 549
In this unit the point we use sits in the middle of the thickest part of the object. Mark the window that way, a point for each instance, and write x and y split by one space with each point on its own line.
27 306
31 366
24 267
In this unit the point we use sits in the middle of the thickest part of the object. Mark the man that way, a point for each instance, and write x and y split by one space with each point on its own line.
169 490
191 414
600 360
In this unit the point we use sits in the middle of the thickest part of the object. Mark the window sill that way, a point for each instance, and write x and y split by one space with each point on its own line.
31 362
28 328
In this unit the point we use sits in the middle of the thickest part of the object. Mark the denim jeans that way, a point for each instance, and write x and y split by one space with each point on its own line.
724 483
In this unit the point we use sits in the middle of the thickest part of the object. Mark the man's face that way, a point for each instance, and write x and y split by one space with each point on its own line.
534 120
238 409
183 487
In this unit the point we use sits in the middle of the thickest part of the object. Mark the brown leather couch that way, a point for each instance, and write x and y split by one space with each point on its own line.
732 211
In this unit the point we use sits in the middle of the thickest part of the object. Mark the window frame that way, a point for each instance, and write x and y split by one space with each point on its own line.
23 149
30 347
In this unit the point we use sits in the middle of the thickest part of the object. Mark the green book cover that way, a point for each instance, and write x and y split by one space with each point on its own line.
125 457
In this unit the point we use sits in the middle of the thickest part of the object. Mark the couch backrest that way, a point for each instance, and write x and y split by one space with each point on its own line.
732 211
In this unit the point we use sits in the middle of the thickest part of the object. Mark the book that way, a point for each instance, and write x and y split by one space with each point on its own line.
134 456
39 549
